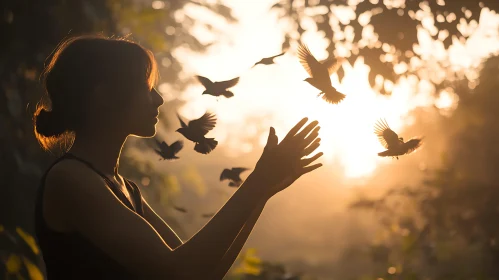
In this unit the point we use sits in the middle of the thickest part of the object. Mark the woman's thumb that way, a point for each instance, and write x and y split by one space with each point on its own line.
272 140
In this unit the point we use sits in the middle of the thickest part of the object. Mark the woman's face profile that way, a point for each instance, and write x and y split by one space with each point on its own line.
139 113
143 111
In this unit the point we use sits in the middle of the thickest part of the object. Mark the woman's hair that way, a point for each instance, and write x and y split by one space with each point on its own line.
77 66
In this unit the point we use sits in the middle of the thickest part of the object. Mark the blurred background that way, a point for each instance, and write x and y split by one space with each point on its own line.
430 68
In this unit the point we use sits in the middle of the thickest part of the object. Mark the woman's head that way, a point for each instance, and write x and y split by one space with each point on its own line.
97 83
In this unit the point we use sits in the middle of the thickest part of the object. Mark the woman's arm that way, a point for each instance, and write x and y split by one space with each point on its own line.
168 235
90 208
172 239
234 250
307 146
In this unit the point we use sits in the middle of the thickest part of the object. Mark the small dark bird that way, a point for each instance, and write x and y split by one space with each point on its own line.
197 129
218 88
208 215
180 209
394 144
320 74
268 60
233 175
169 152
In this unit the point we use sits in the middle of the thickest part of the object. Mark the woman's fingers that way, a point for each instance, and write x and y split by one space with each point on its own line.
311 137
300 136
272 139
307 151
294 130
310 168
308 161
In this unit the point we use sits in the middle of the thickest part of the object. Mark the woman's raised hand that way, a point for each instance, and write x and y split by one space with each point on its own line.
282 163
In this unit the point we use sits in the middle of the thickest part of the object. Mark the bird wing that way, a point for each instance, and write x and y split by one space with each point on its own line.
208 215
333 64
227 84
205 81
225 174
272 57
412 145
204 124
177 146
158 152
388 153
387 137
180 209
239 170
182 123
307 60
161 145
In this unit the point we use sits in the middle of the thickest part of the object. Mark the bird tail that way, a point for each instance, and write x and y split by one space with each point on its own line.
206 145
228 94
333 96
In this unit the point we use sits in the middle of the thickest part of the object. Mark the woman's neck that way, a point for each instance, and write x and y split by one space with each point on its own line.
101 149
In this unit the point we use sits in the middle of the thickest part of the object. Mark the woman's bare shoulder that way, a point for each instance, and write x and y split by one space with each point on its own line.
66 183
73 176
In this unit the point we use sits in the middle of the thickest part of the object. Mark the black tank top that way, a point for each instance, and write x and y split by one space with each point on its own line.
72 256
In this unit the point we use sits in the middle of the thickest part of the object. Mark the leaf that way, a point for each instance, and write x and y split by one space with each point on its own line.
13 264
28 239
33 270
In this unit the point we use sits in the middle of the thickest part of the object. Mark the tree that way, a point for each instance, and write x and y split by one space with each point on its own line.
451 231
385 33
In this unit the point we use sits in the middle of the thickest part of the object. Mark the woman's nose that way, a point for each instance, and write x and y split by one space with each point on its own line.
157 98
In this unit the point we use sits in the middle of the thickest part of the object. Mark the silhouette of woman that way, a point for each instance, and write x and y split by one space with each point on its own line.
91 222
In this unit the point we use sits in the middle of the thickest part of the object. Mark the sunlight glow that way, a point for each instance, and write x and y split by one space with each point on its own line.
276 95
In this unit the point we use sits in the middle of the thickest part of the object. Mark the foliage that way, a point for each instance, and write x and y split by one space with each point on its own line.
251 267
18 251
385 33
451 231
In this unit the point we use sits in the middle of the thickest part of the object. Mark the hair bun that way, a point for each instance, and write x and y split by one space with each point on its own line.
48 124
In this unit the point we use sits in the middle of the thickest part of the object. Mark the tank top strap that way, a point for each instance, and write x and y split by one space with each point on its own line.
137 196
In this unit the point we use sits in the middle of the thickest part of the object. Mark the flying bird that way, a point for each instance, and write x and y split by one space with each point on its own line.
168 152
395 145
180 209
218 88
268 60
209 215
233 175
320 74
196 131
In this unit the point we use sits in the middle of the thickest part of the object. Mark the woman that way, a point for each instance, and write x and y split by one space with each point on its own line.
92 223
